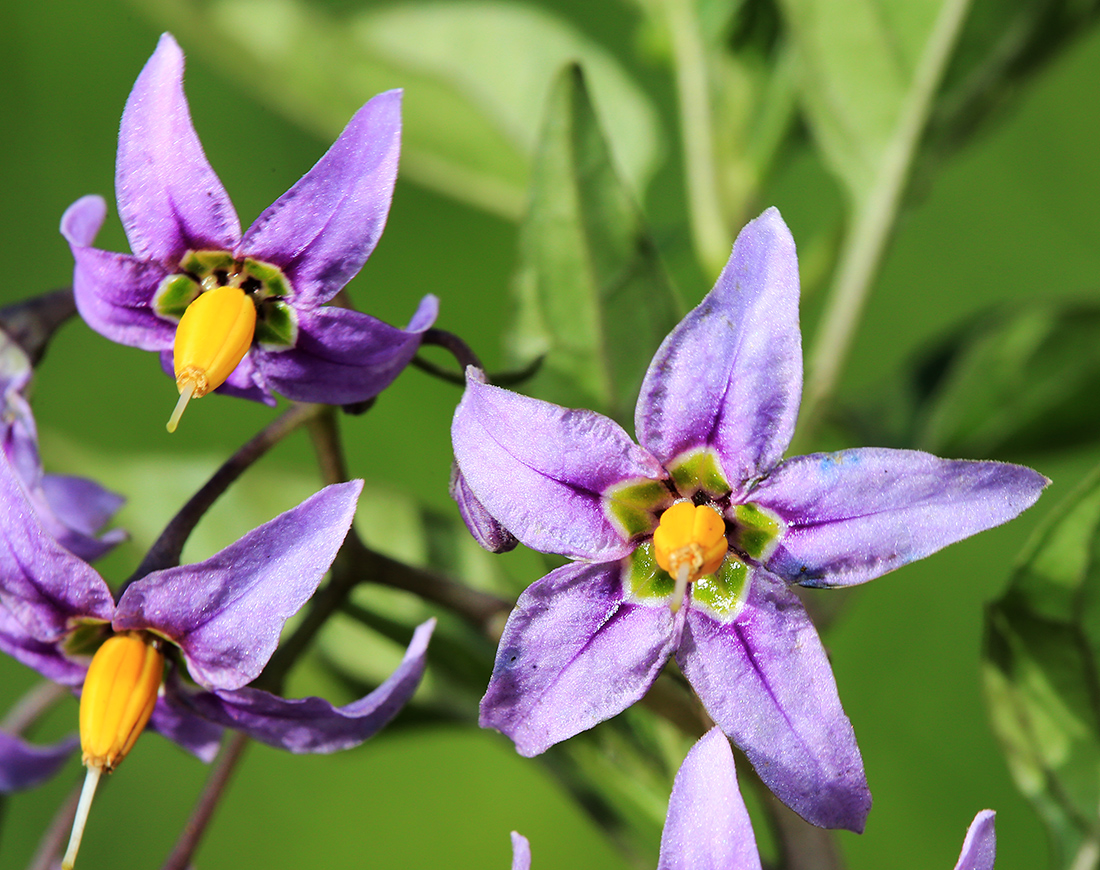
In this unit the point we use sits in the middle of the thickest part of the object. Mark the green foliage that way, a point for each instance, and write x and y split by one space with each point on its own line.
592 297
1042 675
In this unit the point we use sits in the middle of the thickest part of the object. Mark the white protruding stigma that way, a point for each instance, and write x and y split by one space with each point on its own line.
683 573
185 397
91 780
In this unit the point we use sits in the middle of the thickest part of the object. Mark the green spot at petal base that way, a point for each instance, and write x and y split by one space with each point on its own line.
276 325
723 593
756 530
173 296
633 505
698 470
643 580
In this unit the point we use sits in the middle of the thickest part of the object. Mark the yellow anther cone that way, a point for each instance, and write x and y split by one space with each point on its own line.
690 534
212 338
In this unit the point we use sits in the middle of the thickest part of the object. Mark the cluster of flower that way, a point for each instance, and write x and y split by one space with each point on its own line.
687 544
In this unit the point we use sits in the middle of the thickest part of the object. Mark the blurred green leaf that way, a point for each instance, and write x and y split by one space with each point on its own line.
1042 675
591 294
475 76
1013 380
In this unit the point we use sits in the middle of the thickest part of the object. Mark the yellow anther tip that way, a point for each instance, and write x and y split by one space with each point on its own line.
690 533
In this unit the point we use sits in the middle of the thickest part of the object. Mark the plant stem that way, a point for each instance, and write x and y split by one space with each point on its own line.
874 219
45 858
36 702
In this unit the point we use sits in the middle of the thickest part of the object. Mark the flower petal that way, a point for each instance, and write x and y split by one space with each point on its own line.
322 230
766 681
81 507
113 291
343 356
854 515
486 530
25 766
573 653
42 585
226 613
169 198
179 724
313 724
730 375
521 852
980 846
46 658
707 824
541 469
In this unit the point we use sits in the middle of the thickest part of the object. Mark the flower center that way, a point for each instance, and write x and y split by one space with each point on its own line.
120 691
689 543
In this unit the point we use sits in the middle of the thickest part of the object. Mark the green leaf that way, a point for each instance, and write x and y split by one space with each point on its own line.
475 77
1041 671
1012 380
591 295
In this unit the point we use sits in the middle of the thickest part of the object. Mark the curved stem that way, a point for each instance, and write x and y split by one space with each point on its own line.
39 700
45 857
874 219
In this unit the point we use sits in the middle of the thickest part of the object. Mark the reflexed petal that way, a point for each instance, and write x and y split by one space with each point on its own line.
82 507
486 530
25 766
708 825
854 515
83 220
46 658
179 724
541 469
343 356
113 291
169 198
42 584
226 613
322 230
730 375
573 653
766 681
521 852
313 724
980 846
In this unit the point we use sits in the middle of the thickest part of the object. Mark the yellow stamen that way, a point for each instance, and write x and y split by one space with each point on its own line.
120 691
689 543
212 338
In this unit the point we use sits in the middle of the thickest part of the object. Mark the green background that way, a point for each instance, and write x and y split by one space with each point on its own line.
1014 216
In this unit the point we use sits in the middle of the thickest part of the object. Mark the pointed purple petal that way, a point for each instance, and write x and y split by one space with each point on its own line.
169 198
486 530
176 721
81 507
521 852
343 356
25 766
541 469
730 375
226 613
313 724
854 515
980 846
766 681
322 230
113 292
46 658
42 585
573 653
708 825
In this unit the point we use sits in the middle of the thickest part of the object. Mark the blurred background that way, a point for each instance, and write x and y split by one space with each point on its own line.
1010 216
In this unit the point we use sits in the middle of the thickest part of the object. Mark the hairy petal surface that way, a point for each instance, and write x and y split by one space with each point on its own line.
708 827
226 613
169 198
854 515
729 376
312 724
113 291
42 585
573 653
343 356
23 765
485 529
766 681
176 721
541 469
980 846
322 230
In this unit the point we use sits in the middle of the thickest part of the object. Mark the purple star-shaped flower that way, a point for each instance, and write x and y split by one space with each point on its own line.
299 253
222 617
708 826
715 415
72 509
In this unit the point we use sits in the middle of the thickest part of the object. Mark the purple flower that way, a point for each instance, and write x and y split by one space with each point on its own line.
25 766
72 509
708 826
707 514
218 622
273 332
